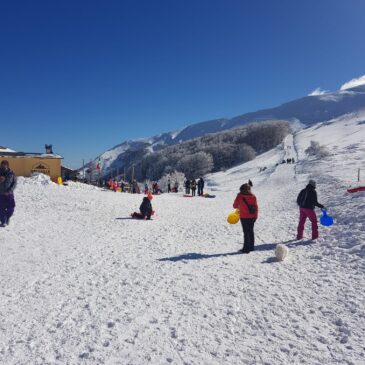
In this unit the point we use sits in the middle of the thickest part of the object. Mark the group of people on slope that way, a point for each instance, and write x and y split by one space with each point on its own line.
192 185
174 188
123 186
246 202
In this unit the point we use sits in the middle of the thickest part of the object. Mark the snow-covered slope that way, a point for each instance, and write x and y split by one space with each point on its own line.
308 110
83 284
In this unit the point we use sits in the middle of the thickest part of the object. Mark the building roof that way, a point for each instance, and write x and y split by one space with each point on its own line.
29 154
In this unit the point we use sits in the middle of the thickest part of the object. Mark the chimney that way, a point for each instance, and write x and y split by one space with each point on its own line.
48 149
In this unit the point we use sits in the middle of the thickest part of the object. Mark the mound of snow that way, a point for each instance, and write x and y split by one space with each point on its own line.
36 179
80 186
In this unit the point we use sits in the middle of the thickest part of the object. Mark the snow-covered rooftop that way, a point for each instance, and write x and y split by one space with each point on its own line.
29 154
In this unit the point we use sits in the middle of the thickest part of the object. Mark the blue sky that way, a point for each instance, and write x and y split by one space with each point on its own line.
87 75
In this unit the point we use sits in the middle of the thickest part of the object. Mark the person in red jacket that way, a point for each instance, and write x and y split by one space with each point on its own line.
247 204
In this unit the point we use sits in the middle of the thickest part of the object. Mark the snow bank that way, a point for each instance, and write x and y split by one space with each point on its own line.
36 179
80 186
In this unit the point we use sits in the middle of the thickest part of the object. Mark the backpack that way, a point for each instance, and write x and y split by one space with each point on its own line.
302 197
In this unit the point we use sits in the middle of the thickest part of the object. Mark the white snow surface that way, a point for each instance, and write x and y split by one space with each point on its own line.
81 283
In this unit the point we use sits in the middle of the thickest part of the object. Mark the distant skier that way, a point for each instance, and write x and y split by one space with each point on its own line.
200 186
193 187
247 204
145 209
307 201
7 186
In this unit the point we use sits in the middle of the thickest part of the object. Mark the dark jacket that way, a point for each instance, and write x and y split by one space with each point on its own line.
146 207
201 183
9 184
307 198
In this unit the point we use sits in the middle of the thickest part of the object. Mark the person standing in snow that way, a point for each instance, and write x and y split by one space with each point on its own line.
246 202
168 186
193 187
307 201
7 186
200 186
187 186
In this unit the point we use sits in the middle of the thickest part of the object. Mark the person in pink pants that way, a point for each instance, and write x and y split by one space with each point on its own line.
307 201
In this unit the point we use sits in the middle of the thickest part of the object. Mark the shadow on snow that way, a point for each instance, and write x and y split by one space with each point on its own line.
198 256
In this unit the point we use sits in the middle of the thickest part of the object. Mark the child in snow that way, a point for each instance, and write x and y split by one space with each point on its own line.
247 204
307 200
145 209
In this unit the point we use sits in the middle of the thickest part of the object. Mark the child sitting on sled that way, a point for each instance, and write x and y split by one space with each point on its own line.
145 209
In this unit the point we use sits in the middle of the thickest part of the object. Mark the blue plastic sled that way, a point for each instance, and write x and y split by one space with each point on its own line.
325 219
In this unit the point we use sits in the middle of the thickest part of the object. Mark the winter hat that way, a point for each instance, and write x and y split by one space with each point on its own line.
312 183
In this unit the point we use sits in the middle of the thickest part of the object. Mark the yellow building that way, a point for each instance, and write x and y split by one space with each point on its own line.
25 164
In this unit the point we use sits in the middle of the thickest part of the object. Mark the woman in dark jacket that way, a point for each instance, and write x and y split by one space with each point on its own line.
247 204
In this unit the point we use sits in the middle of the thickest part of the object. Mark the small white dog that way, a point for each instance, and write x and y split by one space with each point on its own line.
281 252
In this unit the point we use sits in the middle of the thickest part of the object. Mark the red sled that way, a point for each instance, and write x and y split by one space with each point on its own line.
355 190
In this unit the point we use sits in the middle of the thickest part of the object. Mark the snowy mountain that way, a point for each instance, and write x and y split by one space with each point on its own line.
5 149
307 110
82 283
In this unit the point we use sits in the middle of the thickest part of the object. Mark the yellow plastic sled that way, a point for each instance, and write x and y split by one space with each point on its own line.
234 217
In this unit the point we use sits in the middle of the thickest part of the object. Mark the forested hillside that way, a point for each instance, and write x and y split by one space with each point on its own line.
210 153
